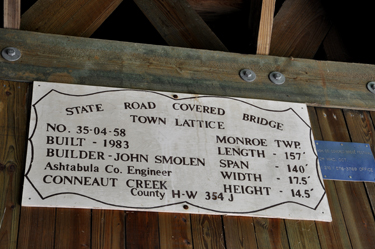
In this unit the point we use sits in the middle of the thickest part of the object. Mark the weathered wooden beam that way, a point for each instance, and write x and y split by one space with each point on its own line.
12 14
70 17
299 28
77 60
265 27
211 10
179 24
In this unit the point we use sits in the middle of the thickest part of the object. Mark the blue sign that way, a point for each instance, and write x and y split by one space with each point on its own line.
346 161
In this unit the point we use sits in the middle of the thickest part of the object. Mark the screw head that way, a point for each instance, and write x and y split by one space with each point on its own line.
371 86
247 75
11 54
277 78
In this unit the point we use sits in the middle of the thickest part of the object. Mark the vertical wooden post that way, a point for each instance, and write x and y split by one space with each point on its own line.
265 27
12 14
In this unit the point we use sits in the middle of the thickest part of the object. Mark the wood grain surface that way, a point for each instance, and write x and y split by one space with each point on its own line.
271 233
73 228
207 231
13 137
265 27
78 60
175 230
108 229
299 28
179 24
37 228
142 230
239 232
352 196
361 130
68 17
12 14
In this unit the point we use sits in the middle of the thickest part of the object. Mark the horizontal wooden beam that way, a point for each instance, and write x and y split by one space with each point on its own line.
66 59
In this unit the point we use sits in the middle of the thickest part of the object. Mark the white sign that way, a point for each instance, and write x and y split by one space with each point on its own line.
97 147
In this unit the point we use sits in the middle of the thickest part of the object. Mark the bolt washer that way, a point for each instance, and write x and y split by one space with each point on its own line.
277 78
371 86
247 75
11 54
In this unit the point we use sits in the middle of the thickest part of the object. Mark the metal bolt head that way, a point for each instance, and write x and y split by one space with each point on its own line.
371 86
11 54
277 78
247 75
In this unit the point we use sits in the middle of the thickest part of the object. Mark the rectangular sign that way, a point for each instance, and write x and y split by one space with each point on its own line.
97 147
346 161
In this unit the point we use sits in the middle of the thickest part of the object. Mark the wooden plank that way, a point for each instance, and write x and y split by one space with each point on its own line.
13 127
37 228
68 17
299 28
207 231
270 233
179 24
12 14
302 234
239 232
175 231
78 60
265 27
108 229
331 234
142 230
213 10
352 195
361 130
73 228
